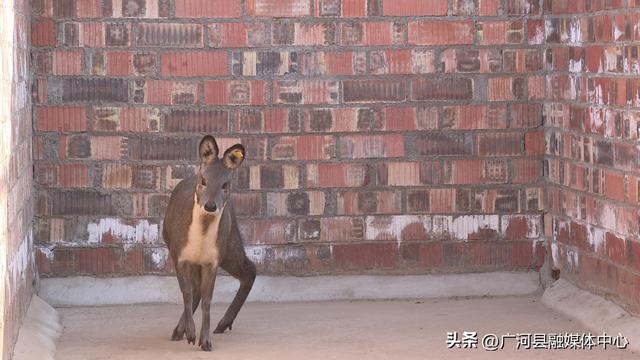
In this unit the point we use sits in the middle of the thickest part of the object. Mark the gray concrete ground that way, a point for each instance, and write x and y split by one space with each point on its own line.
321 330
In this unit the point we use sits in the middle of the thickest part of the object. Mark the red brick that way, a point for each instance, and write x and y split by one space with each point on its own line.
269 231
615 248
489 7
364 203
133 260
106 147
430 256
525 115
391 62
526 171
43 33
309 147
208 8
224 92
374 90
534 143
170 35
339 63
89 9
467 171
519 227
197 120
500 144
364 256
93 34
371 146
414 8
354 8
400 118
472 117
311 34
73 175
535 31
436 32
614 185
501 32
237 34
119 63
378 33
442 89
340 229
504 88
61 118
522 7
400 174
305 91
442 201
278 8
97 261
337 175
171 92
196 63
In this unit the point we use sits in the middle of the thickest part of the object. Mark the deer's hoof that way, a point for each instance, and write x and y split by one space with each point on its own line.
222 326
191 340
177 334
206 345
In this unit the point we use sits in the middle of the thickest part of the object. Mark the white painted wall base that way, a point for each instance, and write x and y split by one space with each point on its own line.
91 291
593 312
39 332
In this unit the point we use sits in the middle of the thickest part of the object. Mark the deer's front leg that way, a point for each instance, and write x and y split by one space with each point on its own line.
183 271
206 289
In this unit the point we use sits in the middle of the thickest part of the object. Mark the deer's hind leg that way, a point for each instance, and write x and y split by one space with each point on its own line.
240 267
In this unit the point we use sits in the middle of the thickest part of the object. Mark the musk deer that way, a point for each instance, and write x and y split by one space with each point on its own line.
201 232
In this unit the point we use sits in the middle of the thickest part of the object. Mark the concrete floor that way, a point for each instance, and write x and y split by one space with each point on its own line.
321 330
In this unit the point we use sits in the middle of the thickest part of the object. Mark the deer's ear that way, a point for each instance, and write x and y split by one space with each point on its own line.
208 149
234 156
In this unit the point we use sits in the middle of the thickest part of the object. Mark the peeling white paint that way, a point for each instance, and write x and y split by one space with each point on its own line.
607 217
256 254
596 95
554 254
533 225
442 224
574 31
610 59
548 27
575 65
392 226
159 257
573 89
635 67
20 259
572 259
464 226
538 38
597 239
46 251
596 118
617 33
142 232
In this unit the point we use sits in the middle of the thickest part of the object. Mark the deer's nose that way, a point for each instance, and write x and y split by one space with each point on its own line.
210 206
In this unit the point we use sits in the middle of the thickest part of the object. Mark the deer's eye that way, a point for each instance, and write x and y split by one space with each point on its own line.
203 182
225 186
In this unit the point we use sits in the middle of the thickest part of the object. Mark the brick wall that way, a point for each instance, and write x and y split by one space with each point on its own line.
383 136
593 122
17 269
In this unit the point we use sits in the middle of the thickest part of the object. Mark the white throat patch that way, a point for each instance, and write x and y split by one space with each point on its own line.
202 247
